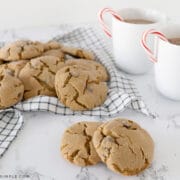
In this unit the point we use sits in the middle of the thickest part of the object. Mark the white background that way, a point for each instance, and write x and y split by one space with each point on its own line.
28 13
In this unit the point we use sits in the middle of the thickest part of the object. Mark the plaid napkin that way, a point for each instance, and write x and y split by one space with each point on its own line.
122 92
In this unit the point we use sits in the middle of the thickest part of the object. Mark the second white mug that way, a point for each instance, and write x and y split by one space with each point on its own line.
126 35
166 59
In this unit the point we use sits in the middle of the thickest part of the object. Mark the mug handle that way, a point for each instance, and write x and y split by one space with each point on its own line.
144 42
105 28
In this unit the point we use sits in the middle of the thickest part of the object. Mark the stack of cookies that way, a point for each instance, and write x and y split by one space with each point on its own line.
121 144
30 69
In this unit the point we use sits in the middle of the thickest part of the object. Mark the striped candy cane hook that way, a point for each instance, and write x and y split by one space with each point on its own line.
105 28
144 42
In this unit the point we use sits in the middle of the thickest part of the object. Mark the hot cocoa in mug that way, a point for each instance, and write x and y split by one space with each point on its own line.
138 21
175 40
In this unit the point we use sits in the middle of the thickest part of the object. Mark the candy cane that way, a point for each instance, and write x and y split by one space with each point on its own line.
105 28
144 42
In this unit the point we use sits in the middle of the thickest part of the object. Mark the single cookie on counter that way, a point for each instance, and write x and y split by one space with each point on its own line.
93 67
38 76
11 90
75 91
124 146
21 50
77 146
14 67
78 52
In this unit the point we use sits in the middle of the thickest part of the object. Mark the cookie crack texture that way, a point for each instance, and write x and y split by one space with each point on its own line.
76 98
47 66
26 50
77 144
11 90
52 45
68 78
126 171
64 146
100 141
43 84
37 49
38 76
42 66
8 53
124 146
78 89
116 167
145 158
86 84
77 52
132 151
107 153
19 50
129 125
1 77
73 155
88 140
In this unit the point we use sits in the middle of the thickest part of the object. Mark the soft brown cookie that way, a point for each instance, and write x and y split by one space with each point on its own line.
38 76
77 52
54 52
77 146
124 146
11 90
19 50
98 70
52 45
13 67
75 91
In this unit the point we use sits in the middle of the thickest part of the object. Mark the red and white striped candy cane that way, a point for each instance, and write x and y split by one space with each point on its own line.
105 28
144 42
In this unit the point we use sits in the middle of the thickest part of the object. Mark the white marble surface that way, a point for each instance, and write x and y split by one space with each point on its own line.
36 149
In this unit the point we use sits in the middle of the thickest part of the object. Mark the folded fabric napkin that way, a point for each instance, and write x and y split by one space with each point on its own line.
122 92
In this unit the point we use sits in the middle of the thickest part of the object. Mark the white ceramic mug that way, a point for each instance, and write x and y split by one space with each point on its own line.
126 37
166 59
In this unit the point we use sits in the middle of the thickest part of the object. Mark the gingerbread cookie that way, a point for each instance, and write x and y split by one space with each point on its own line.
124 146
75 91
76 145
21 50
11 90
77 52
38 76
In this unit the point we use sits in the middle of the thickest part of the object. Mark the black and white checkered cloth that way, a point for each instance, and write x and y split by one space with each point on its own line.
122 93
